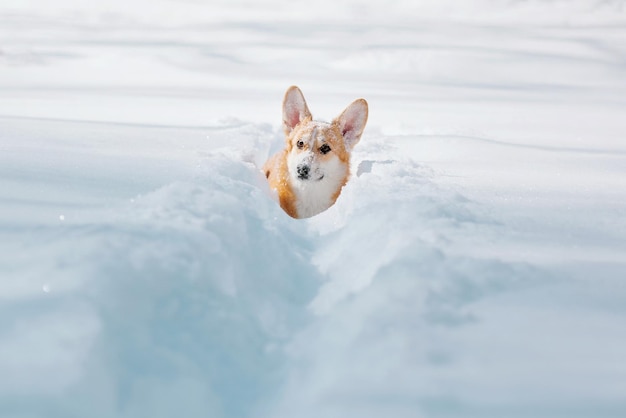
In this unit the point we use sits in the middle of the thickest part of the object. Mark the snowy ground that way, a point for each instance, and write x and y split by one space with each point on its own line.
475 265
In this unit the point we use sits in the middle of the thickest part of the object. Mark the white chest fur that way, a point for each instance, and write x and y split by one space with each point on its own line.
315 196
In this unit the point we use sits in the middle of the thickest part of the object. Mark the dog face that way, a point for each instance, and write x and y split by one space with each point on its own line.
316 153
309 173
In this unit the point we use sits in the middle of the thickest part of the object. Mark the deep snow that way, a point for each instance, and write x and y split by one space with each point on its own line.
474 266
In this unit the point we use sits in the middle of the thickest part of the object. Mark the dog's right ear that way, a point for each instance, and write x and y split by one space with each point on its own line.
295 109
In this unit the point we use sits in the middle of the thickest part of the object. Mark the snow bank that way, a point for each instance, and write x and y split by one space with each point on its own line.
199 296
178 301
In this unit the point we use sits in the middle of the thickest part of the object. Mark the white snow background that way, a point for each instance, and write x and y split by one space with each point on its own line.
474 266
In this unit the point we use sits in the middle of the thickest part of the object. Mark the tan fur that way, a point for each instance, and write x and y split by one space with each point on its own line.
276 172
314 135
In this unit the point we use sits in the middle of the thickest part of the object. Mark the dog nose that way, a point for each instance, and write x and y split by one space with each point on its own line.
303 171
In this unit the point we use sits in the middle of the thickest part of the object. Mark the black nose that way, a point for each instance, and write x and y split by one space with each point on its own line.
303 171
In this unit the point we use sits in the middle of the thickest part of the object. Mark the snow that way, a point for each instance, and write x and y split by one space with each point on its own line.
473 266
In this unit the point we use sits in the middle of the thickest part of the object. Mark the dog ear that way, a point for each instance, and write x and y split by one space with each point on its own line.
295 109
352 122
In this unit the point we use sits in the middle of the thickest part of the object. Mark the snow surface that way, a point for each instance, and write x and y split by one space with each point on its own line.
474 266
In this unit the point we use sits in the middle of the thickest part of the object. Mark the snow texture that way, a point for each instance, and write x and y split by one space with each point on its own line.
474 265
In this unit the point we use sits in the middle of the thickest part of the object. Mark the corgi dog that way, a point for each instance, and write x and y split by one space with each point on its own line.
309 173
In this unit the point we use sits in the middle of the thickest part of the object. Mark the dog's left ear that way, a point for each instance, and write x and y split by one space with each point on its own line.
352 122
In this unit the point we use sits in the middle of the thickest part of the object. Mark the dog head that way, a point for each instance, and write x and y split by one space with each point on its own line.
319 152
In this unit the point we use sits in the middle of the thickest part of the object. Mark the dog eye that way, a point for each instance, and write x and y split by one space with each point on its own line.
325 149
300 144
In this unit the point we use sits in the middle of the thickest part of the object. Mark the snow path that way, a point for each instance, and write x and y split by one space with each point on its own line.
474 266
